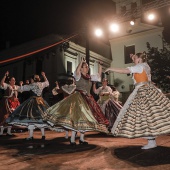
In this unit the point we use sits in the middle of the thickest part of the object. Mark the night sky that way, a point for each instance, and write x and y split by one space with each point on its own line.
25 20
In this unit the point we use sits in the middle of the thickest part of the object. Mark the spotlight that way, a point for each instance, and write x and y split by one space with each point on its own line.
151 16
132 22
98 32
114 27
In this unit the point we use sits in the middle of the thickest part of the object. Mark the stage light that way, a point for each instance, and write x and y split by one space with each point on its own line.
151 16
98 32
114 27
132 22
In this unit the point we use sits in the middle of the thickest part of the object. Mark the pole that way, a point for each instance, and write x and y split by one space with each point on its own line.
87 50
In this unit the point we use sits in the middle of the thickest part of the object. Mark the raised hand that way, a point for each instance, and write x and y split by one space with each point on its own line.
21 83
7 73
83 59
43 73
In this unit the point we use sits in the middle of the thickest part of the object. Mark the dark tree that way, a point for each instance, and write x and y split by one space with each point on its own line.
159 61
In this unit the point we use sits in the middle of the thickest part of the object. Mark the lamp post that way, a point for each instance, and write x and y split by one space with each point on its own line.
85 31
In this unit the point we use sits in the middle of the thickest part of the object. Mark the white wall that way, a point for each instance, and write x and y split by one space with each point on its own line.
80 51
139 40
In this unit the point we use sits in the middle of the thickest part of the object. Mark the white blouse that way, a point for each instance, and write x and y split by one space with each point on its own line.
14 90
139 69
36 87
103 89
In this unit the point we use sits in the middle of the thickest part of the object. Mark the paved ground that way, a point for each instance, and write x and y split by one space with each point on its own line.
104 152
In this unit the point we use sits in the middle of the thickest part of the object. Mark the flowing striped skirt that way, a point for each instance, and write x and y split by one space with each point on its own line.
145 113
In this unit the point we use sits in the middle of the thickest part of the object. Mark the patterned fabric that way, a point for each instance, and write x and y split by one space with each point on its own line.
32 110
69 89
96 110
145 113
74 113
112 110
29 112
8 103
36 87
12 103
11 91
109 108
103 89
104 98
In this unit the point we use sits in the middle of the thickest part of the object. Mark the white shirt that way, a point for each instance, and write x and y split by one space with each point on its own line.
139 69
14 90
36 87
103 89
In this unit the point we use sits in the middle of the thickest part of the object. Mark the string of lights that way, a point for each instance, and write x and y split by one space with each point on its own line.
36 51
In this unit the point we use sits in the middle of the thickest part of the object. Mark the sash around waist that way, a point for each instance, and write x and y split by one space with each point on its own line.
142 83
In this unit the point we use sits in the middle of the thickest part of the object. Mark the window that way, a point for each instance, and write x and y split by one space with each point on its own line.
123 9
127 51
133 6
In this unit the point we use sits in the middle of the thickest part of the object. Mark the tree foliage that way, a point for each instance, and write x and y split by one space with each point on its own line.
159 61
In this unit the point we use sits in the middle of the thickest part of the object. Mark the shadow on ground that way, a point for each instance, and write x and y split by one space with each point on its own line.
57 145
150 157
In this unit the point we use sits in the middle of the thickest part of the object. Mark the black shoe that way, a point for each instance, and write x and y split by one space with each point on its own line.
7 134
83 142
109 129
43 138
72 143
30 138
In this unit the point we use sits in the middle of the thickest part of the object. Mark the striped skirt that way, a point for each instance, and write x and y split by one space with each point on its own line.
145 113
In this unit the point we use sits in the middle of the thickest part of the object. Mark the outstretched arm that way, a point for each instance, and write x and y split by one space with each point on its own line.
118 70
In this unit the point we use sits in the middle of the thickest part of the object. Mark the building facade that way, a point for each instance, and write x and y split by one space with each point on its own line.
131 39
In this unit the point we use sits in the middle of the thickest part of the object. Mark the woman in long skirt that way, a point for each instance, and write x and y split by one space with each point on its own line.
146 112
109 107
8 103
79 112
29 114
